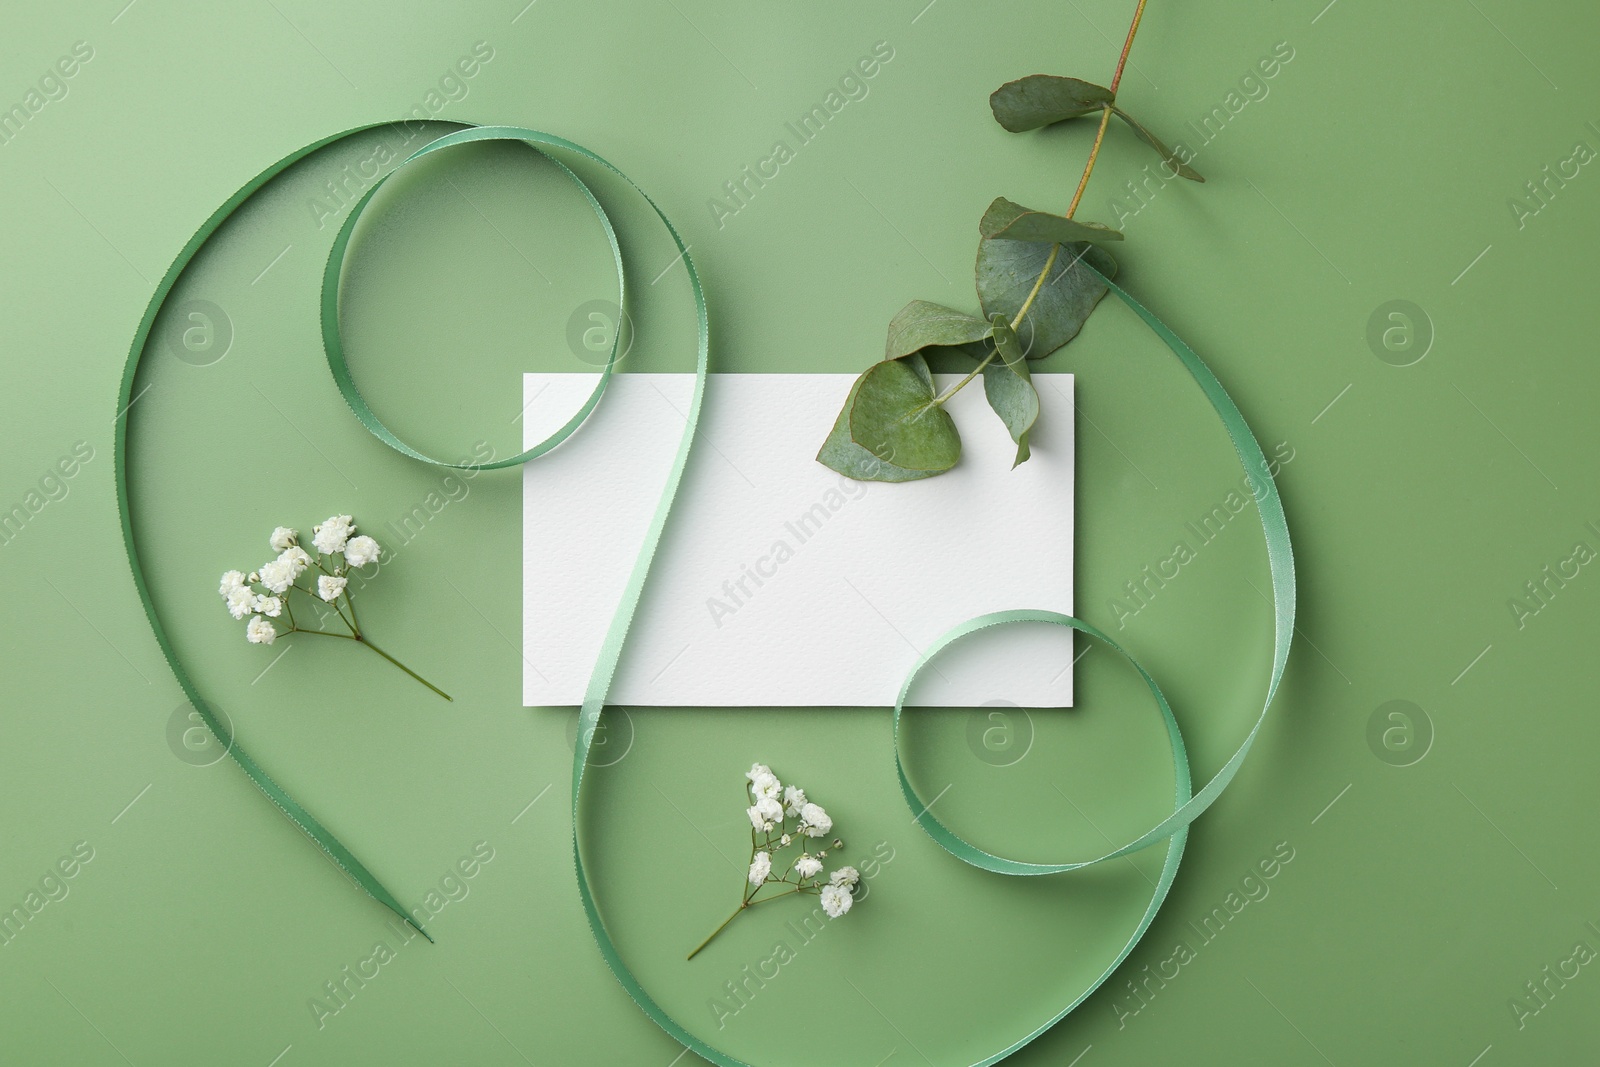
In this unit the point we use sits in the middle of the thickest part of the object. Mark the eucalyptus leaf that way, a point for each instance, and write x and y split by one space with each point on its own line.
998 215
893 416
841 454
1007 270
922 323
1013 222
1040 99
1008 386
1167 155
920 365
1009 346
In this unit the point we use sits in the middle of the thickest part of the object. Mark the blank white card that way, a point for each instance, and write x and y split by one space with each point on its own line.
779 582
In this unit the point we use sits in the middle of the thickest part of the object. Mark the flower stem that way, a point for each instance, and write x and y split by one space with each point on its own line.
403 667
718 930
379 651
748 903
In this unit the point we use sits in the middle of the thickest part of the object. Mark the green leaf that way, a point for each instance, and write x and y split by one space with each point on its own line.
998 215
842 454
1009 346
1006 272
1008 385
1167 155
894 417
921 323
920 365
1013 222
1040 99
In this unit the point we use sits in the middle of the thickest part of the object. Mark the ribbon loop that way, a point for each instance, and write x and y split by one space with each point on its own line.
1173 828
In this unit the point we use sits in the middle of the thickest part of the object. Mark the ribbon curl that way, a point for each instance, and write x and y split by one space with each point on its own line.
1174 828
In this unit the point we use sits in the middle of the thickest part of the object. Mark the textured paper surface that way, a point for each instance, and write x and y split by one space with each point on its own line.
779 582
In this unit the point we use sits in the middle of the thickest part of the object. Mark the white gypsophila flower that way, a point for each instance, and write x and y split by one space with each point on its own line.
770 809
808 866
794 798
814 821
282 538
266 605
836 900
766 785
361 551
760 867
330 588
331 533
755 769
784 840
845 876
240 601
260 631
297 558
279 574
231 580
756 818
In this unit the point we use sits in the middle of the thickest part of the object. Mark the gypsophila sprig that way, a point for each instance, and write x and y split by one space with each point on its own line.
326 590
783 819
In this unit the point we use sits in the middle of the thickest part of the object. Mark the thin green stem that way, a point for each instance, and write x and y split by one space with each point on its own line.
1038 283
956 388
379 651
1094 154
747 903
1088 168
775 896
718 930
1122 60
403 667
351 604
321 633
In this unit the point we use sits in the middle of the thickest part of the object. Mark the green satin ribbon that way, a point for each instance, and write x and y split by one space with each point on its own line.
1186 807
1173 828
296 812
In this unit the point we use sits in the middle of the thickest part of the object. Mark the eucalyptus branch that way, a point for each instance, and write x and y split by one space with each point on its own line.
1088 168
895 410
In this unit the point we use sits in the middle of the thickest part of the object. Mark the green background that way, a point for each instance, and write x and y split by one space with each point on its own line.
1377 167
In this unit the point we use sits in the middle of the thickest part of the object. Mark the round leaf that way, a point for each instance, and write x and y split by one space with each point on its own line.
1168 156
1013 222
1040 99
922 323
1006 272
1008 386
894 418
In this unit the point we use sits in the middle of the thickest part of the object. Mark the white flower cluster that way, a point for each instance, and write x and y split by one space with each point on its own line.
773 806
277 577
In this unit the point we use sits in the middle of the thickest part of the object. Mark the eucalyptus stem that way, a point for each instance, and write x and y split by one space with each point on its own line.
956 388
1038 283
1088 168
